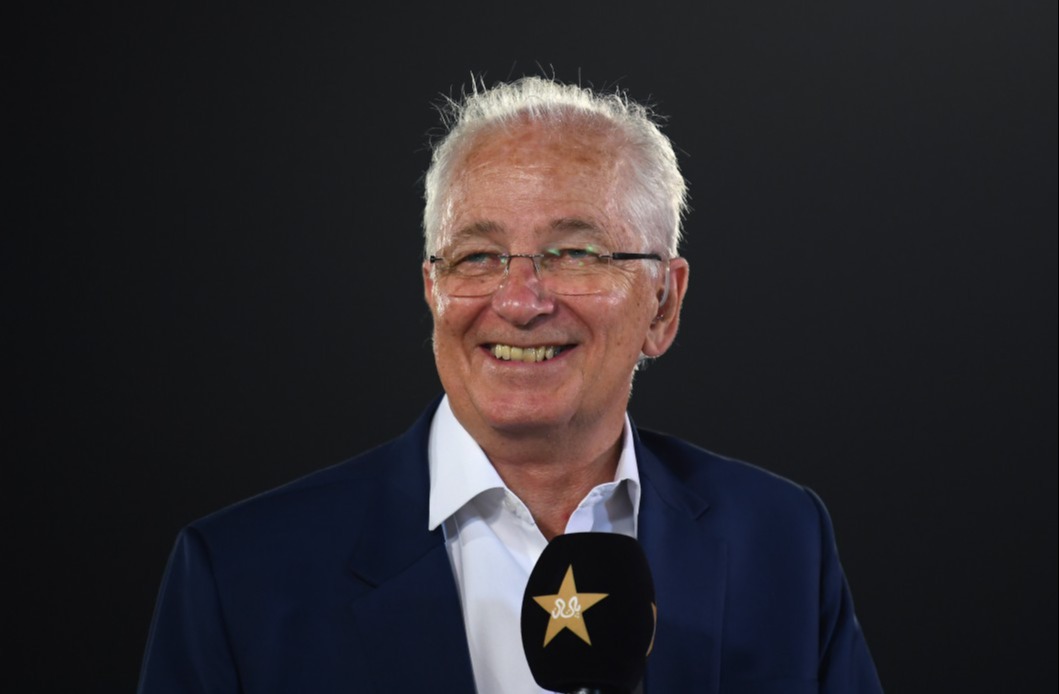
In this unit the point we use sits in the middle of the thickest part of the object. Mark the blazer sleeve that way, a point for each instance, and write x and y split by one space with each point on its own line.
846 666
188 650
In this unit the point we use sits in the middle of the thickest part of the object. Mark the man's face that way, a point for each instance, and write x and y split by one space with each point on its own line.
523 191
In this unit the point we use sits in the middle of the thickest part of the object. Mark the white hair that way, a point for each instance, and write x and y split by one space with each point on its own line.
657 194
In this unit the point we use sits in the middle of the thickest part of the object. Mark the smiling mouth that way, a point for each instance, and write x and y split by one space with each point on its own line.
528 355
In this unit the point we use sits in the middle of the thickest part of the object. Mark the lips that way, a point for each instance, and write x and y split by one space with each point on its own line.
528 355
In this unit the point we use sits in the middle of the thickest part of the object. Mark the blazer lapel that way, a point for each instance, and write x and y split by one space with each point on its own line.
407 610
688 565
406 607
411 628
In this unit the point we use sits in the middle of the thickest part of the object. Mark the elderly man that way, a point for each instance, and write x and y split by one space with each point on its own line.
552 221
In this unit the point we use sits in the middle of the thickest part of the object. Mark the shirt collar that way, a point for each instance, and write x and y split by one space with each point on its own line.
460 470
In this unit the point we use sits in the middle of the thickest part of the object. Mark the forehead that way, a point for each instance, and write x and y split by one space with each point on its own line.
527 143
536 179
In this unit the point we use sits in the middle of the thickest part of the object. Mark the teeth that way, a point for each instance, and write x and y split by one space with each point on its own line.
528 355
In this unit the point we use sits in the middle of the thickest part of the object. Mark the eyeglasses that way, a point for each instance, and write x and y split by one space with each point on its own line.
566 271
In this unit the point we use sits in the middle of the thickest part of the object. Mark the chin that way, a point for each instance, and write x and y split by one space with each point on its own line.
522 413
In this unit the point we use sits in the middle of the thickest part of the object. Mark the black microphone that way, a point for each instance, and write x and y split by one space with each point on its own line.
588 614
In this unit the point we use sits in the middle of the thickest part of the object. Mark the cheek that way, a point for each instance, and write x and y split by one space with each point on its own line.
629 298
452 314
631 284
441 305
628 312
453 320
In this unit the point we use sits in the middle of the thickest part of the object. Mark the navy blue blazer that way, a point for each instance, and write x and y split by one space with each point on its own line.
333 584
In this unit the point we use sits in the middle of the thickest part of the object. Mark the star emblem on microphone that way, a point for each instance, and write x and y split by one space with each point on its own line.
566 608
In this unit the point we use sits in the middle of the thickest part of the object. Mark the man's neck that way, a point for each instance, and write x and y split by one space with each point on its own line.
552 473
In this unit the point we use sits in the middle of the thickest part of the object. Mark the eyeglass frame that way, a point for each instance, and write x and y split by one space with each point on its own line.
505 259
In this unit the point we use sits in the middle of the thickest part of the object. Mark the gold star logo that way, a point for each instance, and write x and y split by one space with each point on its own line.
566 607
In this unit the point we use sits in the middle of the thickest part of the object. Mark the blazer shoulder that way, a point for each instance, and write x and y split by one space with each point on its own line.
693 463
337 501
726 484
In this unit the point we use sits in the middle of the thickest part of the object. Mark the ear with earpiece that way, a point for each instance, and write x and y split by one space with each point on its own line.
663 328
663 296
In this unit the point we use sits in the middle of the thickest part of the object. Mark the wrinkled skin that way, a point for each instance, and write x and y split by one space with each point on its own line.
519 191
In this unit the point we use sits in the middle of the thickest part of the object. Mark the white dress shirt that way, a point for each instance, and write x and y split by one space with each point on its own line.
493 543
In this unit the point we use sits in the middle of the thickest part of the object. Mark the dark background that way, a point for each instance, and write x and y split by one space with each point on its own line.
211 286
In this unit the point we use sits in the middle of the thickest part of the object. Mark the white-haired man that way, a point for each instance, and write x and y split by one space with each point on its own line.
552 223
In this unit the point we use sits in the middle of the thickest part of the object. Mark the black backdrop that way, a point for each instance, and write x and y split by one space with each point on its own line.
211 286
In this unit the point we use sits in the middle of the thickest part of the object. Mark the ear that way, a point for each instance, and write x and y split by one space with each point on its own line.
663 329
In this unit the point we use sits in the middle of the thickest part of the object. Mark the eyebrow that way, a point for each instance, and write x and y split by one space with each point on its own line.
573 224
583 229
476 230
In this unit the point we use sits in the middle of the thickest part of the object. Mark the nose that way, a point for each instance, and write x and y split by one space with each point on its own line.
521 298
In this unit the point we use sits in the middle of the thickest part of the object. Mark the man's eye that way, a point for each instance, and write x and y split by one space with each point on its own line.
477 258
476 263
573 256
